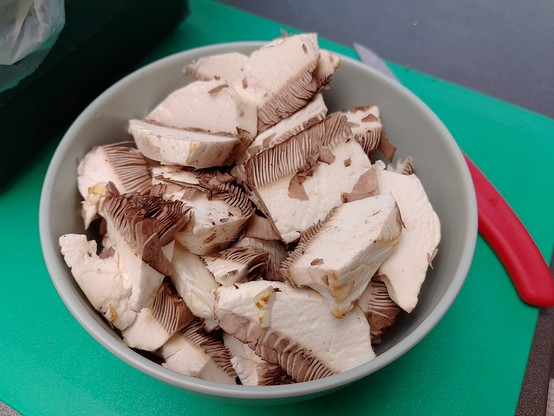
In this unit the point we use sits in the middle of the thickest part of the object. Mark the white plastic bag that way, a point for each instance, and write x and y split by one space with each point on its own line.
28 26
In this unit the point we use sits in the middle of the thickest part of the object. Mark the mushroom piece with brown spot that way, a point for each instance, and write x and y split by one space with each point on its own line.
301 336
100 279
278 77
380 309
212 106
185 147
318 169
219 206
366 126
367 232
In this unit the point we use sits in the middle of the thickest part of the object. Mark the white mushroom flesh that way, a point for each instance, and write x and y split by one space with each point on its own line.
405 270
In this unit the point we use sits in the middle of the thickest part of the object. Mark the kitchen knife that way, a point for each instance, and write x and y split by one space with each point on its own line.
498 224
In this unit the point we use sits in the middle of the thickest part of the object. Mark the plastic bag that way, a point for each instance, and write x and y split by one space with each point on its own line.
28 26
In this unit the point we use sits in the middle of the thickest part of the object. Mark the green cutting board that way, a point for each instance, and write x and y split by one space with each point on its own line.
472 363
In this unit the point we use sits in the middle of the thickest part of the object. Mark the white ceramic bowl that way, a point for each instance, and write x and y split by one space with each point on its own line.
411 126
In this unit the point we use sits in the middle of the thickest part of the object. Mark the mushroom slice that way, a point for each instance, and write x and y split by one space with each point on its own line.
212 106
278 77
296 202
157 323
225 66
195 284
118 163
367 231
405 270
303 338
312 113
172 146
381 311
366 126
220 207
194 353
236 264
142 229
99 278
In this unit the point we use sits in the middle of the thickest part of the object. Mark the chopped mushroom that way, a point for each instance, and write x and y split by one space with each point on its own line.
156 324
405 270
124 166
278 77
142 230
172 146
250 368
367 231
236 264
100 278
220 208
303 337
312 113
195 353
366 126
212 106
381 311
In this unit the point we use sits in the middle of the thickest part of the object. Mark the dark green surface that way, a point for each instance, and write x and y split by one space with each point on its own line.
471 363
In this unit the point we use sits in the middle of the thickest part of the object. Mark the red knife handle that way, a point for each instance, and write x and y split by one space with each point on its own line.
501 228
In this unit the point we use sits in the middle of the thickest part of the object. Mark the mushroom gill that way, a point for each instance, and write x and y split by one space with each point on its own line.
194 352
278 77
158 322
219 206
367 231
275 348
141 229
292 327
236 264
299 153
379 308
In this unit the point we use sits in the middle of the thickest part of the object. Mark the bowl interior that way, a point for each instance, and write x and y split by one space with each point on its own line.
410 125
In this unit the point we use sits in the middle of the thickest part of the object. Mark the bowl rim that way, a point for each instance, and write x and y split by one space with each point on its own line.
74 301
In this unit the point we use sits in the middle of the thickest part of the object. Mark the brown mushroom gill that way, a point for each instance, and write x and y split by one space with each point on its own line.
146 223
274 348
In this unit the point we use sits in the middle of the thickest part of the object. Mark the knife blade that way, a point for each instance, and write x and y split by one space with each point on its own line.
498 224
